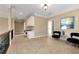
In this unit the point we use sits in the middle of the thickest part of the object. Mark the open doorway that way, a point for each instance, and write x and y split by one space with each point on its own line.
19 28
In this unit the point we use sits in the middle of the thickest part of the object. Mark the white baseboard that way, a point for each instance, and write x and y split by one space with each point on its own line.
41 36
35 36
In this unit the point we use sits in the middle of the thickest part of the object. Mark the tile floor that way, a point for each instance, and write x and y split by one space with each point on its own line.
44 45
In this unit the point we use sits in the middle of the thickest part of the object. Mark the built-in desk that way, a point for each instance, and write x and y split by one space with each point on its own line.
30 34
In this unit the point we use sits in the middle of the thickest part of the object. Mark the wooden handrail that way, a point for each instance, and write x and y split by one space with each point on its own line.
3 33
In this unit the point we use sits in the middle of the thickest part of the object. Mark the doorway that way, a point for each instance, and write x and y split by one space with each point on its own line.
19 28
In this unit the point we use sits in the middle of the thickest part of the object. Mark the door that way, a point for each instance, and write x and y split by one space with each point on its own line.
50 28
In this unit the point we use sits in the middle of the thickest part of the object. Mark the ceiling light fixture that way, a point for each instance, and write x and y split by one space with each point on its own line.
45 6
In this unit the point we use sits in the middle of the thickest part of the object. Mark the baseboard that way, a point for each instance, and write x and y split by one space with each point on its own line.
36 36
41 36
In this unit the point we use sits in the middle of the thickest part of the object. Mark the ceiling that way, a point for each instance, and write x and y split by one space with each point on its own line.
23 11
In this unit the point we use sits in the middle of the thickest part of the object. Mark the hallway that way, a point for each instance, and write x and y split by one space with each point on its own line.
44 45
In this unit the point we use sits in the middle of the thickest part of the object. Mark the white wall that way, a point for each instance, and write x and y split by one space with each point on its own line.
41 26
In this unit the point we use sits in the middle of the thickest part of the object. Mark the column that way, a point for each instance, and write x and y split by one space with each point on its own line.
9 22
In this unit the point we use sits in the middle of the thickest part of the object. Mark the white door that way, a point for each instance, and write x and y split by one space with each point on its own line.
50 28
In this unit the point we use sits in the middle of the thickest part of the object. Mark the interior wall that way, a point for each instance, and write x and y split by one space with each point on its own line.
57 19
3 24
41 26
19 28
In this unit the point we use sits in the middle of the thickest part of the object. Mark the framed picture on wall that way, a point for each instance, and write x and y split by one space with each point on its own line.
67 23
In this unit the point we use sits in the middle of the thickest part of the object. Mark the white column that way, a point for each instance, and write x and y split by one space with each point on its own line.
13 27
9 22
24 25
